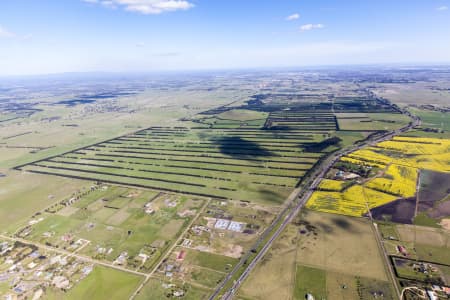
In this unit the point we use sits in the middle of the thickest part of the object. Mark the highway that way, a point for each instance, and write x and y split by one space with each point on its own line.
303 195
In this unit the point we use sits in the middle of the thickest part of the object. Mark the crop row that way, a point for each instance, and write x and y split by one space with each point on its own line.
191 172
187 144
227 150
205 155
196 165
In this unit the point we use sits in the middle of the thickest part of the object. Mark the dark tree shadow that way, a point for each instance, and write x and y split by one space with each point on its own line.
235 146
343 224
271 196
321 146
325 227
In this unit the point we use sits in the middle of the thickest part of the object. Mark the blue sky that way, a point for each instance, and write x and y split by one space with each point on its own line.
52 36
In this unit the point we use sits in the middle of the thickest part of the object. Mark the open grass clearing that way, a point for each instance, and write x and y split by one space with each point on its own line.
424 235
160 289
209 260
23 194
340 244
242 115
310 281
102 284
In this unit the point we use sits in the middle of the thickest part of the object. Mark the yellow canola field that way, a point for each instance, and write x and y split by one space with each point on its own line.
398 180
419 146
402 157
332 185
354 160
420 153
351 202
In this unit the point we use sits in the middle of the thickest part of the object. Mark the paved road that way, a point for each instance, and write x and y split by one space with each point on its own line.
303 196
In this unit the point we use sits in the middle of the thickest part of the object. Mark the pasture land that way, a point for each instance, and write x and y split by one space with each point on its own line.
156 288
208 260
340 244
430 244
245 165
46 133
103 284
322 254
23 194
371 121
242 115
274 277
435 124
310 281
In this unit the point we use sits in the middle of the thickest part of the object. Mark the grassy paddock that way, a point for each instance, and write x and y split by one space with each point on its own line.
23 194
102 284
310 281
341 244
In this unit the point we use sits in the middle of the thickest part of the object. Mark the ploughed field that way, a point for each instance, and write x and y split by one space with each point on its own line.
244 164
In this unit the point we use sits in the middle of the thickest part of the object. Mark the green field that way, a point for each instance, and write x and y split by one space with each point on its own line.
228 164
435 124
23 194
433 253
371 121
310 281
102 284
157 289
434 119
210 260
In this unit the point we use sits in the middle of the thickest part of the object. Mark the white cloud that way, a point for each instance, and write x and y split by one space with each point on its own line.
442 8
292 17
307 27
108 4
27 37
146 7
4 33
167 54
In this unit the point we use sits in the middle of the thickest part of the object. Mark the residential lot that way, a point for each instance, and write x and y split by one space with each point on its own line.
124 226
